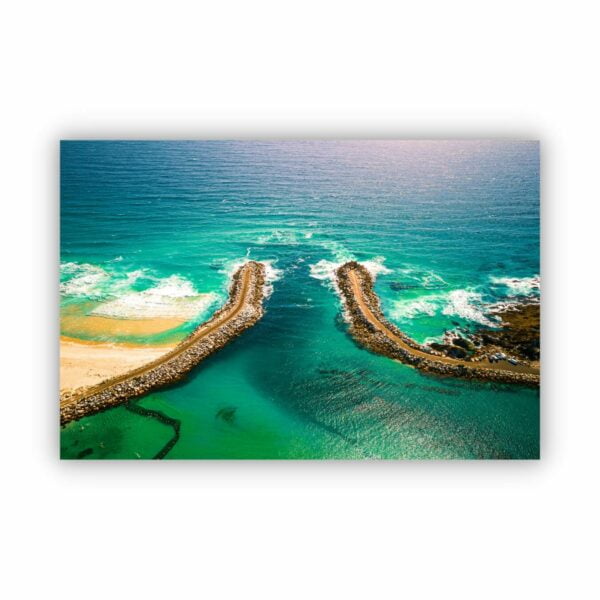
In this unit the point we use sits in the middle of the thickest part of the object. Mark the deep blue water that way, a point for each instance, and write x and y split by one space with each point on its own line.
449 228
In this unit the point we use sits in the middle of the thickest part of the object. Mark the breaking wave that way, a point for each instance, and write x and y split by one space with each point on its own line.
468 305
168 297
173 297
519 286
83 280
408 309
324 269
272 274
376 267
463 303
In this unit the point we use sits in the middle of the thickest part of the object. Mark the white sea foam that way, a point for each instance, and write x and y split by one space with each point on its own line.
505 305
271 274
325 269
133 276
464 303
285 237
173 297
519 286
409 309
376 267
229 267
468 305
86 281
94 282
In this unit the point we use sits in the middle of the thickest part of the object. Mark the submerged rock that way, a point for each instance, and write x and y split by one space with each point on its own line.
85 453
226 414
457 352
519 335
464 343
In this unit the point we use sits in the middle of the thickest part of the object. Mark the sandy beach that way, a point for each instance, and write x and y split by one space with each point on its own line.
241 311
84 363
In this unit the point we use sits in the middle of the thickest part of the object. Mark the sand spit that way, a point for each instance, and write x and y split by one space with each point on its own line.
371 329
242 310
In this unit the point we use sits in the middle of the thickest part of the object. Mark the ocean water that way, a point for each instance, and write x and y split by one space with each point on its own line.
449 228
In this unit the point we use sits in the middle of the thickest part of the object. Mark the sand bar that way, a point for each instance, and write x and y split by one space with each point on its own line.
73 322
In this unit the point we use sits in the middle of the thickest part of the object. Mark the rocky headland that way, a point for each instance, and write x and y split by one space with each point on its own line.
516 339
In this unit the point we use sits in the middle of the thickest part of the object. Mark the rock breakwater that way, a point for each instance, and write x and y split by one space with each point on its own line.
242 310
371 329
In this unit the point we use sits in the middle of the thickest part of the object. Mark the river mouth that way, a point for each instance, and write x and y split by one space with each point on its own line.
448 228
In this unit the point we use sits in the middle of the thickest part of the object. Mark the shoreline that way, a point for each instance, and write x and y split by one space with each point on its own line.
242 310
84 363
371 329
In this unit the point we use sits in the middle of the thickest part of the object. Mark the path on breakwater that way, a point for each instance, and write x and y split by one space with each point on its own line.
369 326
242 310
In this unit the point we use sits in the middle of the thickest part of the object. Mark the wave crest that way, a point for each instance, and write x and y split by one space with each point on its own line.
408 309
167 297
468 305
83 280
519 286
324 270
173 297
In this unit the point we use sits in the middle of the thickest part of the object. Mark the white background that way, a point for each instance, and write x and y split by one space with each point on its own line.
280 69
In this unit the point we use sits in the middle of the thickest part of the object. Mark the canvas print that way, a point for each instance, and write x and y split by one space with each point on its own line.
316 299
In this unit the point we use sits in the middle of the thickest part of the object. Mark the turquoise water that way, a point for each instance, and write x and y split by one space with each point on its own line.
450 229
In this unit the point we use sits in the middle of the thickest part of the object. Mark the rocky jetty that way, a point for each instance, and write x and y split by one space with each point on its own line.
371 329
242 310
